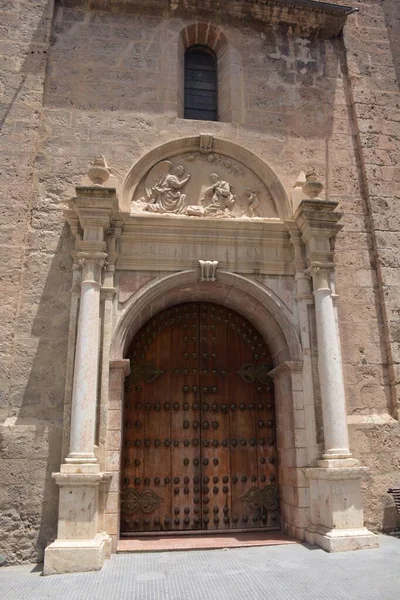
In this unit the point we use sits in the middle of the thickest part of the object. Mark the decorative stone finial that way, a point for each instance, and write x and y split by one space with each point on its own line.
312 187
99 172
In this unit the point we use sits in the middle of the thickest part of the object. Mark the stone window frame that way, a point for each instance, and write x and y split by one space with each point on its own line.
214 38
192 61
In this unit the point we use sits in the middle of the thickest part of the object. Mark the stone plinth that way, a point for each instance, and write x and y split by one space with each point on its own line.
76 556
337 519
79 546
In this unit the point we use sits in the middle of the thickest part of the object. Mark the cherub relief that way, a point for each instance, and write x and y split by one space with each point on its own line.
253 202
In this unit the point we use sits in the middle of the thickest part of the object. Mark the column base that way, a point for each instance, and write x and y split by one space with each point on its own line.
341 540
337 519
77 556
81 544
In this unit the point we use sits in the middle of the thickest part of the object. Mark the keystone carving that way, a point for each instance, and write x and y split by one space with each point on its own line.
208 269
206 142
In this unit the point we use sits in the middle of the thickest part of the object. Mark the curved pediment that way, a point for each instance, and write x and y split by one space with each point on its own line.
207 178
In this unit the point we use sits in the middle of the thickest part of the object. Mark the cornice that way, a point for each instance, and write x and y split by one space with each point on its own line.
305 17
181 226
263 267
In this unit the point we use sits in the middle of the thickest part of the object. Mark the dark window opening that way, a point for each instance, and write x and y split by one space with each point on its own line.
201 100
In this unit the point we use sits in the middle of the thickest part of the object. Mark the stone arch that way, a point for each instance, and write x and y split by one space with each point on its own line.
272 319
174 147
257 303
205 34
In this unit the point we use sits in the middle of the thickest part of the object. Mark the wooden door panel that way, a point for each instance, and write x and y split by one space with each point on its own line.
215 421
184 367
199 432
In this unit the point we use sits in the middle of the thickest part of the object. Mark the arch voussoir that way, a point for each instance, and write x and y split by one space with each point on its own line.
255 302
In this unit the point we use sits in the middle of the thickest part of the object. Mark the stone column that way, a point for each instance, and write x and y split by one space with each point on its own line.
82 544
336 511
330 368
84 395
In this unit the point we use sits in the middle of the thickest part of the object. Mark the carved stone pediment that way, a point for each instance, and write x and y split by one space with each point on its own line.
203 185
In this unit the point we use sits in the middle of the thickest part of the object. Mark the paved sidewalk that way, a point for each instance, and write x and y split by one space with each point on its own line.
275 572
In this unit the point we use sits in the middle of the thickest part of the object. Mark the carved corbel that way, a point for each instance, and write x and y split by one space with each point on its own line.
208 270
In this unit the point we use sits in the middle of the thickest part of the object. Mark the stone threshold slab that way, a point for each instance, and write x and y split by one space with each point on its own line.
203 542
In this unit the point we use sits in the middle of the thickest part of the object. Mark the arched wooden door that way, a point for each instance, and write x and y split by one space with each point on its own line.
199 443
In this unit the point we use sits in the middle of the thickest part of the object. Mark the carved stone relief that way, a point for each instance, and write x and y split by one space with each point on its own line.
203 184
208 269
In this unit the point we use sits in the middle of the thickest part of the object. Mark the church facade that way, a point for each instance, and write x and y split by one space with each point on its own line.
200 273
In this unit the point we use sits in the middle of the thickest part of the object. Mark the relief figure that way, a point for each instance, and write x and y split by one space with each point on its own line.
164 195
253 203
218 199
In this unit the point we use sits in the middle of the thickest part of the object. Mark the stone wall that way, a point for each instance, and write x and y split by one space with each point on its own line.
35 283
80 83
373 104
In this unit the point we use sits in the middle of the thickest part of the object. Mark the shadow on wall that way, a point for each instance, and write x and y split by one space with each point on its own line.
392 18
38 292
31 447
34 63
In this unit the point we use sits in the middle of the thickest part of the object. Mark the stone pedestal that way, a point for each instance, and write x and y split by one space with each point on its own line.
80 545
337 519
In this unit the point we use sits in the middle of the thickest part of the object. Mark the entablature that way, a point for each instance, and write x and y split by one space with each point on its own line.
306 18
156 242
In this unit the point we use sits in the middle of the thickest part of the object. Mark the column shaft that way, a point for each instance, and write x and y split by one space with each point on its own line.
84 395
331 377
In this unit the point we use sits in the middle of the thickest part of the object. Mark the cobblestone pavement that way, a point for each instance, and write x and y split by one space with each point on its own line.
275 572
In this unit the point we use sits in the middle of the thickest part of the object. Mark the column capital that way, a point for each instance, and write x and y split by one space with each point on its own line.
93 206
318 223
92 264
320 272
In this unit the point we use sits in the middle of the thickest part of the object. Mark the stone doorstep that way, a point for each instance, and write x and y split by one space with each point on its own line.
203 542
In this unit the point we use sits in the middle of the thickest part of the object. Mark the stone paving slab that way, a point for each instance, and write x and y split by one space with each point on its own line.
284 572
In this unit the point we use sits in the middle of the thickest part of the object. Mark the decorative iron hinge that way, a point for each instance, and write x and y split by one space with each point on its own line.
250 373
147 371
255 498
134 501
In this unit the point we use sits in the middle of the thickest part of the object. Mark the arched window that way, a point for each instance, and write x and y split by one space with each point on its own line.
201 101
